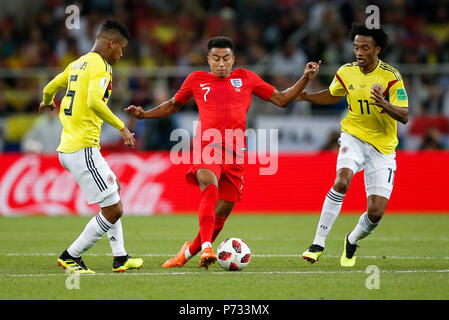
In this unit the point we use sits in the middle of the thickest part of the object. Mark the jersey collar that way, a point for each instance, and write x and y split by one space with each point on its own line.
230 75
372 72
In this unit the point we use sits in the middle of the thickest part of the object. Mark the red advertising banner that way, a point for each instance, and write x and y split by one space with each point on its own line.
152 184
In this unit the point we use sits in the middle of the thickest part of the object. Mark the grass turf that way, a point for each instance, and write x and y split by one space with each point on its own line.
411 253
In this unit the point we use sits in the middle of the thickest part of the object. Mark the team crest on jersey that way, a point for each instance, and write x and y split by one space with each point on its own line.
236 82
377 85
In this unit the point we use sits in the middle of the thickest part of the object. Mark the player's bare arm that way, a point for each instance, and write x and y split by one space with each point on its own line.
397 113
321 97
282 99
163 110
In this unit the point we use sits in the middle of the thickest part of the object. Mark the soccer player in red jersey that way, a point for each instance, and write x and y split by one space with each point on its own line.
223 97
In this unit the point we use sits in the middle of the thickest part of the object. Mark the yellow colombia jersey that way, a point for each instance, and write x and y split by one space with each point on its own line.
83 109
370 123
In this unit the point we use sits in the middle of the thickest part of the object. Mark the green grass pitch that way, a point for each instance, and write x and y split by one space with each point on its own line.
411 253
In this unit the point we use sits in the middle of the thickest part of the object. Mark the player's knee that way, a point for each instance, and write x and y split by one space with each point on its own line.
341 185
375 213
113 213
119 213
206 177
119 210
116 215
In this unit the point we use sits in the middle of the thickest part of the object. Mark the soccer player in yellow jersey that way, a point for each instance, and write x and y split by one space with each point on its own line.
83 109
376 101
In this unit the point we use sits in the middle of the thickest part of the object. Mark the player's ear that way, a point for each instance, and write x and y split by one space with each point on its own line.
377 50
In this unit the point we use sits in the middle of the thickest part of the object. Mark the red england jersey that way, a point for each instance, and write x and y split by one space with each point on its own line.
223 102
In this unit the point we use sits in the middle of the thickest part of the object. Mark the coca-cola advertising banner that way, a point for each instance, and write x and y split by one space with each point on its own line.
152 184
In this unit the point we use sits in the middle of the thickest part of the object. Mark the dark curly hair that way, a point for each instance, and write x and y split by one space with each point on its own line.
116 26
379 35
220 42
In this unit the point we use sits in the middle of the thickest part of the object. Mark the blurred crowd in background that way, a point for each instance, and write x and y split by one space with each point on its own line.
273 38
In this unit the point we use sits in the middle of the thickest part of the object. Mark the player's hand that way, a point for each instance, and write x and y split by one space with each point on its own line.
302 96
311 69
378 97
128 137
43 107
136 112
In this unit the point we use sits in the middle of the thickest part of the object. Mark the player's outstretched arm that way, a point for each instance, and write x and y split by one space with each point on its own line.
397 113
321 97
163 110
282 99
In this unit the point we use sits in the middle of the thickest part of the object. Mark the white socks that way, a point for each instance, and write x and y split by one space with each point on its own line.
187 254
205 245
94 230
362 229
115 236
331 209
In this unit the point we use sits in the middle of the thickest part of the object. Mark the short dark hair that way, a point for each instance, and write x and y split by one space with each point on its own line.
220 42
379 35
115 26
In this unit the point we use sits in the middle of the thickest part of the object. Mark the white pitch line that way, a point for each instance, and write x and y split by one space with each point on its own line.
18 254
140 274
337 239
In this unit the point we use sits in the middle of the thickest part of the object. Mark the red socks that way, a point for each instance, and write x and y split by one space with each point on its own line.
217 226
195 247
209 199
219 223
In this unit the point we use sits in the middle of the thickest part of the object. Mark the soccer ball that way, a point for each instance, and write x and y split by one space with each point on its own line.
233 254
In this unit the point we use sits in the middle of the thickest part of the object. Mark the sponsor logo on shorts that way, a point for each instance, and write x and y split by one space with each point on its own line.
110 179
344 149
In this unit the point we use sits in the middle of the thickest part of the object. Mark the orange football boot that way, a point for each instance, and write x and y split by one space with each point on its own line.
180 259
208 256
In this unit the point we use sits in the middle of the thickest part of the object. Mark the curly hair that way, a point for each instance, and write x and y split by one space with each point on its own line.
379 36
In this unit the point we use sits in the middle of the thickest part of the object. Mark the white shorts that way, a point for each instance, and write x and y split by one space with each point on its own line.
92 173
379 168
